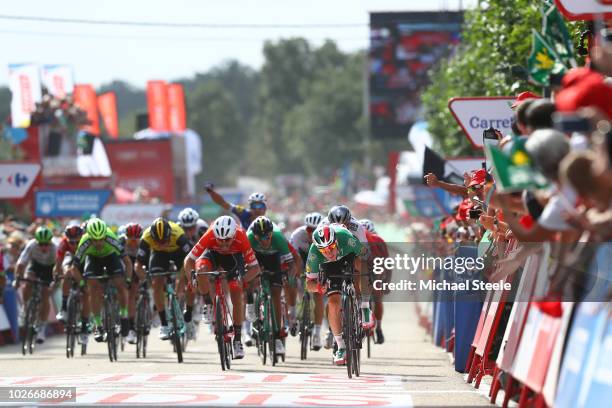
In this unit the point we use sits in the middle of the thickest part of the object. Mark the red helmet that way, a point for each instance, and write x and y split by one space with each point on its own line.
133 230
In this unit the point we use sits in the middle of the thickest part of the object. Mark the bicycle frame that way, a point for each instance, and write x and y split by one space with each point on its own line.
111 315
32 320
266 325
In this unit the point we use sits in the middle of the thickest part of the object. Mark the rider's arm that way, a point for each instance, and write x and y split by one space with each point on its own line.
218 199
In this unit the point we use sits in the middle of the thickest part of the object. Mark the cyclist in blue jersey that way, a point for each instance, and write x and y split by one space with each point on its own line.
257 206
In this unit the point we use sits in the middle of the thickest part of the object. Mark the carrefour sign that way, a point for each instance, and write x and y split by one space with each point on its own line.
474 115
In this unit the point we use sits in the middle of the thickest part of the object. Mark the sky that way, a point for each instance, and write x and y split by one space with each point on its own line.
101 53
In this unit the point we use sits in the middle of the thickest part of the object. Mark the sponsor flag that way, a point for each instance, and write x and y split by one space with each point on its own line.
543 61
513 170
107 104
557 35
26 90
157 103
177 118
85 98
58 80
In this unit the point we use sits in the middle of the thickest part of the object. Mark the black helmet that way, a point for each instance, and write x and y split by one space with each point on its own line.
160 230
339 214
262 226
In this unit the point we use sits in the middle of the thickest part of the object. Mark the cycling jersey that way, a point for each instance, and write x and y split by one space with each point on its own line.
240 245
130 250
347 243
178 240
355 228
243 214
86 247
34 252
279 245
377 245
63 248
300 239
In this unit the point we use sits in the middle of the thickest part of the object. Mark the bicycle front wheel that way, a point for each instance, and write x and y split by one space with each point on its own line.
30 318
305 327
220 331
71 327
347 331
109 328
176 336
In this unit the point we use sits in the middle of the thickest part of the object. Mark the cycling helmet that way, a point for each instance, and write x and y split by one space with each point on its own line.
43 235
188 217
96 228
262 226
313 219
202 226
324 236
224 227
161 230
339 214
257 198
367 224
121 230
73 231
133 230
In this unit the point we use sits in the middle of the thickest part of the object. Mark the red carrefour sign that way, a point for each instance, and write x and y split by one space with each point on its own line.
143 163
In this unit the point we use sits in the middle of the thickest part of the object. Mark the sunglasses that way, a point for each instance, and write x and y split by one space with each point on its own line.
475 187
264 237
258 206
329 250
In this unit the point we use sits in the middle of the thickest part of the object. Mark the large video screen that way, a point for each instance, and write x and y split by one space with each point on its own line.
403 48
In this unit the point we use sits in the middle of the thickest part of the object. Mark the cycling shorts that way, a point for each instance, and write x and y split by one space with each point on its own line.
233 264
94 266
160 261
272 265
40 271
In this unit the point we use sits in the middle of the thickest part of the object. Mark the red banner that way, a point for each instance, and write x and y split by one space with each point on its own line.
85 98
157 103
177 118
143 164
107 103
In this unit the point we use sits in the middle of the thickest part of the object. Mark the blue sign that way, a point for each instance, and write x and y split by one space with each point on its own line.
70 203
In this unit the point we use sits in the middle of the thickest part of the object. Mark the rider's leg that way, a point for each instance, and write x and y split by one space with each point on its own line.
158 283
291 297
237 296
122 292
276 302
44 306
318 312
95 300
334 316
132 296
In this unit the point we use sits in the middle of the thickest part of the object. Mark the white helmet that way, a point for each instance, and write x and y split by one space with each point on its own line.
188 217
202 226
257 198
368 224
313 219
225 227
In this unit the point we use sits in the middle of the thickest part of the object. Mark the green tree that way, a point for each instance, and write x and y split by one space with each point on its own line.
496 36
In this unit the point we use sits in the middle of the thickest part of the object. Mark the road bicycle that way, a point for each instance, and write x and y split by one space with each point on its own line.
265 326
110 311
306 325
222 318
31 321
176 322
72 326
143 319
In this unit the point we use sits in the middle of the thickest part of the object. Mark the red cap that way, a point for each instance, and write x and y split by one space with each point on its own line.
523 96
589 90
478 177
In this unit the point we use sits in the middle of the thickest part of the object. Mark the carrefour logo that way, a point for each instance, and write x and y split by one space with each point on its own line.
17 179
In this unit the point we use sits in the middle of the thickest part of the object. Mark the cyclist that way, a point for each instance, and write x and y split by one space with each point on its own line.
257 206
202 227
39 256
330 243
342 215
100 248
301 239
65 250
63 265
163 241
378 249
129 238
272 251
225 246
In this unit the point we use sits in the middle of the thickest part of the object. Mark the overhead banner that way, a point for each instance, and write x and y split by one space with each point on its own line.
121 214
16 179
585 9
107 104
177 117
474 115
58 80
26 91
157 104
403 49
70 203
85 98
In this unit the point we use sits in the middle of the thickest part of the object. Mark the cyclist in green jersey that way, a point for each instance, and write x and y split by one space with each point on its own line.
272 252
330 243
100 248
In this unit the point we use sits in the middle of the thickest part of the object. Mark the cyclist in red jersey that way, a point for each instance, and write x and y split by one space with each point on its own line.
225 246
63 267
378 249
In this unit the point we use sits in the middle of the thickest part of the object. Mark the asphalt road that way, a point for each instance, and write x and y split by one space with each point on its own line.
405 371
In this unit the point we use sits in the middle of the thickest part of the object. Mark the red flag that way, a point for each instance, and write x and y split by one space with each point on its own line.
176 108
157 103
85 98
107 103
